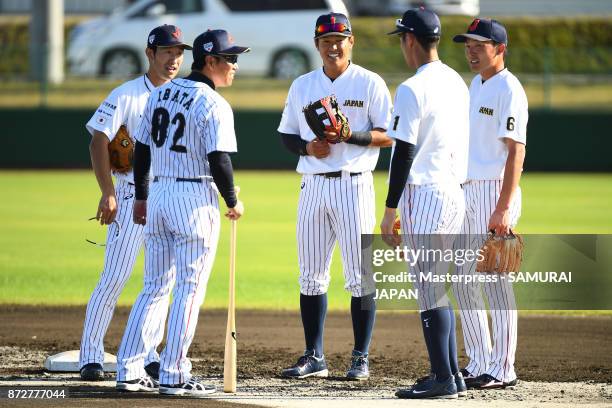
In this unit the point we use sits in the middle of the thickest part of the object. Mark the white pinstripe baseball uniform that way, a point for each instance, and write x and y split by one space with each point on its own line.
498 110
123 106
184 121
339 205
430 112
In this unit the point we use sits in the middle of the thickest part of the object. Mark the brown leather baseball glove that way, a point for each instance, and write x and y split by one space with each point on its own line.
121 151
325 115
501 254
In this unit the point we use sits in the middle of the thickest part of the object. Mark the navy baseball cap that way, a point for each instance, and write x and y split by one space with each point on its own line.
483 29
167 36
420 22
216 42
332 24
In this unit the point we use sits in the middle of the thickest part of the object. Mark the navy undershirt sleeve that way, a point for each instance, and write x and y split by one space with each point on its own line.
402 159
223 175
142 164
294 143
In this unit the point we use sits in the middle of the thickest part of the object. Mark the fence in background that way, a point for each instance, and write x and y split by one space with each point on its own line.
557 140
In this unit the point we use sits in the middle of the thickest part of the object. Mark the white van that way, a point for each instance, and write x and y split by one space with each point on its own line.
279 32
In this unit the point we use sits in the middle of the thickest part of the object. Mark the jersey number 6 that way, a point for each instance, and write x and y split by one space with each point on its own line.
510 123
159 129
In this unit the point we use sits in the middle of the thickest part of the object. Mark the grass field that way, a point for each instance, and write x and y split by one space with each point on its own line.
44 257
263 93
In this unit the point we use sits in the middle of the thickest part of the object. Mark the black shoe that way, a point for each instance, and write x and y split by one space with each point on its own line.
430 388
488 382
307 366
460 383
359 367
152 370
92 372
468 378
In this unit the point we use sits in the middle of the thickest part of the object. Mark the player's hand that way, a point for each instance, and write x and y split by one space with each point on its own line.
235 212
387 228
318 148
107 209
499 222
139 214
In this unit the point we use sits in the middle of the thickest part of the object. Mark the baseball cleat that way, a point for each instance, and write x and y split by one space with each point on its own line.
488 382
430 388
360 369
144 383
191 388
460 383
92 372
469 379
307 366
152 370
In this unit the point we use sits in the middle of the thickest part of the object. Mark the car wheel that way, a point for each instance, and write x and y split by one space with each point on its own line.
289 64
120 64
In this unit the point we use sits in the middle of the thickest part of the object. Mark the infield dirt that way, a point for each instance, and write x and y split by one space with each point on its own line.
552 350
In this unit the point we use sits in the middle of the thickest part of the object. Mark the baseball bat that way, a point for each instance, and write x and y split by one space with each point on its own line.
229 363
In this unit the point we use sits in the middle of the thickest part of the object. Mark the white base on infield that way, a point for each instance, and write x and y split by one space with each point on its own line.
68 361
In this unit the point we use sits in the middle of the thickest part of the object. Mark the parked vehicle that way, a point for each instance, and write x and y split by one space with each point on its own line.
279 32
397 7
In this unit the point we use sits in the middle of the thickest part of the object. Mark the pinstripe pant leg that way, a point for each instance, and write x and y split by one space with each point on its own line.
195 222
149 306
352 213
474 322
434 216
504 316
119 259
315 237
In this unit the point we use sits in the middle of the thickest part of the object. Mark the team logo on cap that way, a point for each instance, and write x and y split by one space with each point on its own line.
474 24
208 46
176 33
436 30
151 38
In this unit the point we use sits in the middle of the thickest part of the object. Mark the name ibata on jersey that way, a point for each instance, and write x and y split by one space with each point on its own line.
178 97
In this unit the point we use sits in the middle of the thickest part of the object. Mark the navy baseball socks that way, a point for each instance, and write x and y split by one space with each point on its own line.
437 325
314 310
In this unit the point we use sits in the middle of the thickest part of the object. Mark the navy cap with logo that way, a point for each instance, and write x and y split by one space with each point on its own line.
420 22
332 24
483 29
166 36
216 42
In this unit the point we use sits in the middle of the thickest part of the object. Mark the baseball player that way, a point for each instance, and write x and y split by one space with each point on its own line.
336 194
430 128
123 106
186 135
498 127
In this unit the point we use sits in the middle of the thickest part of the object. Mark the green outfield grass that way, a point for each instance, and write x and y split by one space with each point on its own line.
44 258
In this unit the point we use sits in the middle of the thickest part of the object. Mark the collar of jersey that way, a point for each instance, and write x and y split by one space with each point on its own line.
427 65
499 74
350 66
148 84
200 77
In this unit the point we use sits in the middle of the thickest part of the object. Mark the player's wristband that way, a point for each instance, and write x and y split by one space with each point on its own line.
403 155
360 138
142 164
